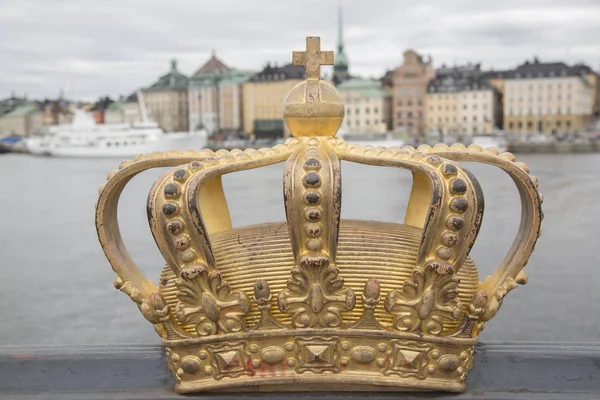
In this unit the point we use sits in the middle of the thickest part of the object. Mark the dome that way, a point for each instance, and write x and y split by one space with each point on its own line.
341 59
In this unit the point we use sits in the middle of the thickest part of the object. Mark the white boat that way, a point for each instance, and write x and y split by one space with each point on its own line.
84 138
493 140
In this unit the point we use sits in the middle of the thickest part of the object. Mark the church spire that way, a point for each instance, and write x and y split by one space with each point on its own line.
340 29
340 67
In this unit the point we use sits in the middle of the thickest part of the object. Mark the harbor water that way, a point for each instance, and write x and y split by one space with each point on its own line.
57 284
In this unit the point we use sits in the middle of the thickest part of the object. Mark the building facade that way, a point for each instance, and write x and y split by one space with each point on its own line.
461 103
167 100
230 91
263 98
549 98
368 107
409 90
203 95
23 120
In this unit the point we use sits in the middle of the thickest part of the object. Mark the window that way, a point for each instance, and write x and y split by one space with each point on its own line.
510 125
474 117
409 103
465 119
368 122
440 108
474 106
400 102
357 111
399 115
375 110
409 114
568 124
348 111
558 123
419 102
430 108
409 91
368 110
529 124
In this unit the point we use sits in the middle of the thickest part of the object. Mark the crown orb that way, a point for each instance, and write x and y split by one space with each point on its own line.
313 108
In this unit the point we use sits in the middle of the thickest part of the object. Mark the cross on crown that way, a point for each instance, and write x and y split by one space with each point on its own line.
313 57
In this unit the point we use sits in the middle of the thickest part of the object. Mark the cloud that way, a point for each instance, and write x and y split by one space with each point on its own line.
113 47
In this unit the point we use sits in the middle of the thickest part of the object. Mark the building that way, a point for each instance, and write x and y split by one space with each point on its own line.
549 97
99 108
460 102
203 95
340 64
263 98
368 107
167 100
409 90
231 100
24 119
124 110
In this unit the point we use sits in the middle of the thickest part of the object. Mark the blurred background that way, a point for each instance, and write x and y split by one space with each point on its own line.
85 85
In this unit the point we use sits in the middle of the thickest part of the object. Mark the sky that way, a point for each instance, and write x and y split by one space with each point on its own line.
111 47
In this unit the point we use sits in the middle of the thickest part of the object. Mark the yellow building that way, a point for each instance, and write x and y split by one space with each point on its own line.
461 103
549 98
263 98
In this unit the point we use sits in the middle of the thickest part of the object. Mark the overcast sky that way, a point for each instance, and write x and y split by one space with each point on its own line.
92 48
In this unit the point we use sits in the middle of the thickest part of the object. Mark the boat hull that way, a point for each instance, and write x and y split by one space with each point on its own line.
167 142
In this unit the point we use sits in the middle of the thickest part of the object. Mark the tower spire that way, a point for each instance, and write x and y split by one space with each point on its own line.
340 29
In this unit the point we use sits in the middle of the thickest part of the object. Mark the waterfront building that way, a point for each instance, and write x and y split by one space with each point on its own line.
230 89
341 63
263 97
24 119
368 107
203 95
167 100
461 103
410 82
549 97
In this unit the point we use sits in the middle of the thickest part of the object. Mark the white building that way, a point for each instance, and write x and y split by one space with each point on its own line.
368 107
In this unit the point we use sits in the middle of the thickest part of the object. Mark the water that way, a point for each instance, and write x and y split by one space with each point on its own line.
57 285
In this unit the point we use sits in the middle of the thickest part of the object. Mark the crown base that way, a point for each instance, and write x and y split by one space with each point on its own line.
306 383
320 360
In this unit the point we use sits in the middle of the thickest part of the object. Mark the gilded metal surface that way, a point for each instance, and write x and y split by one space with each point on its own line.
316 302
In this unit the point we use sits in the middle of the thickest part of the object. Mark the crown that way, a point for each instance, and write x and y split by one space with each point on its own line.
316 302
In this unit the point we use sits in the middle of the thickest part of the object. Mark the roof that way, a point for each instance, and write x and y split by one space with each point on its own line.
363 88
23 110
213 66
236 77
538 69
132 98
173 80
460 78
288 71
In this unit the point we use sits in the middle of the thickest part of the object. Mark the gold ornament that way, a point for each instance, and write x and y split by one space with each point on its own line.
318 303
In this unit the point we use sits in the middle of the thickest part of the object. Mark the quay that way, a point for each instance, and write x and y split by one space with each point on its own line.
508 371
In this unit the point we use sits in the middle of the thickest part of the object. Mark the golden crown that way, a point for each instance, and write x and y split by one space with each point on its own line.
420 303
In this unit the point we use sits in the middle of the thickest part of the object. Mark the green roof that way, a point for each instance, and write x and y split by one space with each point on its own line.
363 87
174 80
236 77
23 110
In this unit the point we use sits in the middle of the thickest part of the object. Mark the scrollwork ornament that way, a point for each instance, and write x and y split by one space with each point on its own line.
316 295
427 301
207 301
